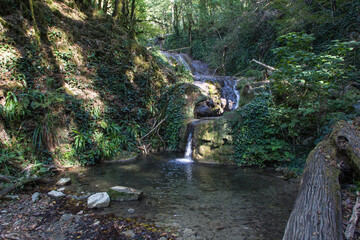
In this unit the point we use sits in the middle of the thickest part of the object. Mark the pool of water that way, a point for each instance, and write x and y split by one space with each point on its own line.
215 202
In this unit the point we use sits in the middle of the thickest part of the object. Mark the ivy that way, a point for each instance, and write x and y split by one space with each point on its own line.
173 103
256 135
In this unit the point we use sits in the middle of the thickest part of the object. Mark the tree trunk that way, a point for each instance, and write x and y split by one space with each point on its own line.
116 8
317 211
99 4
105 6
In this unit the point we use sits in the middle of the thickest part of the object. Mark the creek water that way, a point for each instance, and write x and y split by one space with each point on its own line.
215 202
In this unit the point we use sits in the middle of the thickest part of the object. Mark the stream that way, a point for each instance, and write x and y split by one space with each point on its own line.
197 201
215 202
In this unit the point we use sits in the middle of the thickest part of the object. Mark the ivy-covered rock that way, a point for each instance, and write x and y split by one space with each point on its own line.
213 140
120 193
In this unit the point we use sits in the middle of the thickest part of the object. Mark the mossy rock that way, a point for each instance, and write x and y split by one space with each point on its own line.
122 194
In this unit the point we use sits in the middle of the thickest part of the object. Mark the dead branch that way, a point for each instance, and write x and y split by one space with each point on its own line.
6 179
270 68
19 184
178 49
351 227
158 125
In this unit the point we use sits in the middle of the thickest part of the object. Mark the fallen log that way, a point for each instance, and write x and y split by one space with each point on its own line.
317 211
19 184
6 179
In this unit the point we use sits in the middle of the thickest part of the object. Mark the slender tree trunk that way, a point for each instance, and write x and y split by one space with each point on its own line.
175 18
99 4
116 8
37 33
105 6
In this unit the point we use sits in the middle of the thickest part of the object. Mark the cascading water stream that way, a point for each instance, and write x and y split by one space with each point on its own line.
201 74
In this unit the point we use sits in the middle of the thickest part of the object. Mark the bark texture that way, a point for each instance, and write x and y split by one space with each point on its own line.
317 211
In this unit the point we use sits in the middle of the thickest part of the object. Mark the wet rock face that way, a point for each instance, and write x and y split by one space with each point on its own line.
208 109
213 143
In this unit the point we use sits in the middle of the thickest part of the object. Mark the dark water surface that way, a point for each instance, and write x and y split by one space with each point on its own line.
216 202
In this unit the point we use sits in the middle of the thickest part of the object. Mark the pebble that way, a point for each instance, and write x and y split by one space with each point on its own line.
129 233
61 189
35 197
131 210
66 217
97 222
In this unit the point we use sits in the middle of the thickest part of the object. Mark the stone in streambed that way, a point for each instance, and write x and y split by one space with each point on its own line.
56 194
98 200
63 181
129 233
35 197
119 193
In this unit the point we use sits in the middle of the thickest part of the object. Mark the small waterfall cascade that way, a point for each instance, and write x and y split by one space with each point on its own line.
202 74
188 150
237 96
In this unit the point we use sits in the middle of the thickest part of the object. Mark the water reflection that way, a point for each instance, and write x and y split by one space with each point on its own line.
217 202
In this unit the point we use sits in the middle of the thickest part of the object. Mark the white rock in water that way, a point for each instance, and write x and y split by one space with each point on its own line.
56 194
98 200
120 193
63 181
35 197
131 210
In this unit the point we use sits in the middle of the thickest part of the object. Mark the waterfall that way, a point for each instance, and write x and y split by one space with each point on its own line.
202 75
188 150
237 96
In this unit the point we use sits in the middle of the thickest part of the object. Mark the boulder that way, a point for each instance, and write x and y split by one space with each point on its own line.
56 194
98 200
119 193
63 181
213 142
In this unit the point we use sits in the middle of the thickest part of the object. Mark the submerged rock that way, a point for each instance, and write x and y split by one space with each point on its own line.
98 200
63 181
119 193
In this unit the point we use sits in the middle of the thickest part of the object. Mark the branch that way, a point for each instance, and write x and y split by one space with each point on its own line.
351 227
6 179
178 49
18 184
264 65
154 128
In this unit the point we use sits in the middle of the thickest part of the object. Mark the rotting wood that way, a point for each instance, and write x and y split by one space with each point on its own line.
6 179
351 227
317 210
19 184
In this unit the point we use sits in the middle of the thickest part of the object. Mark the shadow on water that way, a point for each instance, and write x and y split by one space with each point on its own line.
216 202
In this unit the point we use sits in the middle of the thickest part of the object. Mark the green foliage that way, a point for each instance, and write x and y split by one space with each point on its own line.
13 110
256 135
310 85
173 102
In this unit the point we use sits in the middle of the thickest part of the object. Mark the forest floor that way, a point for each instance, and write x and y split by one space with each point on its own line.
68 218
